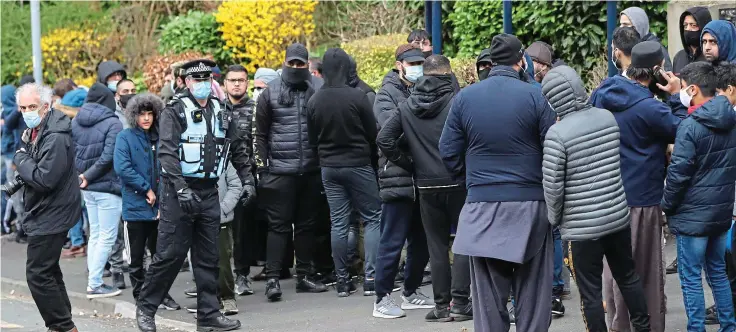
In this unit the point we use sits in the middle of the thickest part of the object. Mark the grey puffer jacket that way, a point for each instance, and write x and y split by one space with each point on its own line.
582 173
229 190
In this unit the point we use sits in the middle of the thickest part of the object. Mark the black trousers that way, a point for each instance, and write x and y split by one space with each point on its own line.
178 231
46 282
440 210
290 200
323 262
586 263
141 235
242 226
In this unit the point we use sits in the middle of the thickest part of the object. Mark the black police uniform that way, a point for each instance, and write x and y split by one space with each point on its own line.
191 161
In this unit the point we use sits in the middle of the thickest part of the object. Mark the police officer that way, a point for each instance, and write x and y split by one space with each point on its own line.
197 138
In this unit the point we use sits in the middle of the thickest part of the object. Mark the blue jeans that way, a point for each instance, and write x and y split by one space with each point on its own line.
559 256
76 233
693 255
104 212
349 188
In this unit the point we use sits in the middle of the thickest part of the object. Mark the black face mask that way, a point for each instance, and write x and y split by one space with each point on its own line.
124 99
427 54
692 38
295 76
483 74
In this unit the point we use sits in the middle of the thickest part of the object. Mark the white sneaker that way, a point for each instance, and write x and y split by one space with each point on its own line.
417 300
387 308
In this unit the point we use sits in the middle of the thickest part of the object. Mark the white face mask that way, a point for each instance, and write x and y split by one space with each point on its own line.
685 98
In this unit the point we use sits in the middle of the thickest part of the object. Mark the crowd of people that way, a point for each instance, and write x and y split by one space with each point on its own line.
523 169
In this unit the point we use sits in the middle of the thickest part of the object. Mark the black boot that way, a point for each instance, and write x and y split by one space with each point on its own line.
145 322
273 289
118 279
345 287
460 312
306 285
219 323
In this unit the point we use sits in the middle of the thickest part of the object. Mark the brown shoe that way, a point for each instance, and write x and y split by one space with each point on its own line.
74 252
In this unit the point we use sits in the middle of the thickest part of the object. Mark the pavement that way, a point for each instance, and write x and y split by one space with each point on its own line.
296 312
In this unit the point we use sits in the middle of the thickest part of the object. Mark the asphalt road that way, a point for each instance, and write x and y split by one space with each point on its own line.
296 312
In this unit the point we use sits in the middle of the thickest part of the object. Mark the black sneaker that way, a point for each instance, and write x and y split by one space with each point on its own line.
711 316
106 273
169 304
145 322
273 290
305 285
558 309
329 278
243 285
118 279
439 314
461 312
219 323
672 268
345 287
369 287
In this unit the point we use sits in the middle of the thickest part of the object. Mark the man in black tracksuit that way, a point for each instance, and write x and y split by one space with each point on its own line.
289 179
342 128
400 217
420 120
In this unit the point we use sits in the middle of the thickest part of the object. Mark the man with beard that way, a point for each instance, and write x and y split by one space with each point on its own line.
623 41
288 171
719 42
543 57
647 126
637 18
241 107
692 22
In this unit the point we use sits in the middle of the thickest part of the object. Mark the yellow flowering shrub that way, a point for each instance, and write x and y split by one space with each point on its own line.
260 31
75 53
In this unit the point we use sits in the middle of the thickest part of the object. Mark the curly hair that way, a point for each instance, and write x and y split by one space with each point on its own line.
141 103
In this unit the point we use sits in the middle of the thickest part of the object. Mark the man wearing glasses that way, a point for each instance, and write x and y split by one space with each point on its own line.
197 137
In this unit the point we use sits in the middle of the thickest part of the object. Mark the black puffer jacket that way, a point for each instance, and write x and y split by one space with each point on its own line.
395 183
281 139
51 196
421 119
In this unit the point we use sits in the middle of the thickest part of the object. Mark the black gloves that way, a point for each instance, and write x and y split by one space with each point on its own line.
249 194
187 199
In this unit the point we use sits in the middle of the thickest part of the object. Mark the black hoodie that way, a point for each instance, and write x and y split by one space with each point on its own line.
340 118
686 56
421 119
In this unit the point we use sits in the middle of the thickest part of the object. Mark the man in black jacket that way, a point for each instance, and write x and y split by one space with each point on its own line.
692 22
400 208
420 120
342 128
45 162
288 170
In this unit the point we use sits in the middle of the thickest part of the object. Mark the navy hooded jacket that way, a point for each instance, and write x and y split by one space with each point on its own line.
699 194
94 131
493 138
11 117
725 34
647 126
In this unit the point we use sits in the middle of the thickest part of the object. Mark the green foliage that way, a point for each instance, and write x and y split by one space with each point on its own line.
375 56
195 31
15 26
576 29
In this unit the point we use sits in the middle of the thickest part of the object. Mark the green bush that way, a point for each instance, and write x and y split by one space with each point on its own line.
375 56
195 31
577 29
15 23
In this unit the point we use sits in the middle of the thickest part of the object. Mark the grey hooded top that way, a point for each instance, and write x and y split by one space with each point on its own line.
640 21
581 169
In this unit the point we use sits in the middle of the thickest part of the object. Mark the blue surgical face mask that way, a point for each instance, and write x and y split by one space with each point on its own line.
32 119
112 85
413 73
202 90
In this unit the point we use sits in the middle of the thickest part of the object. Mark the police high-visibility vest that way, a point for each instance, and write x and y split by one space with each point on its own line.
192 143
